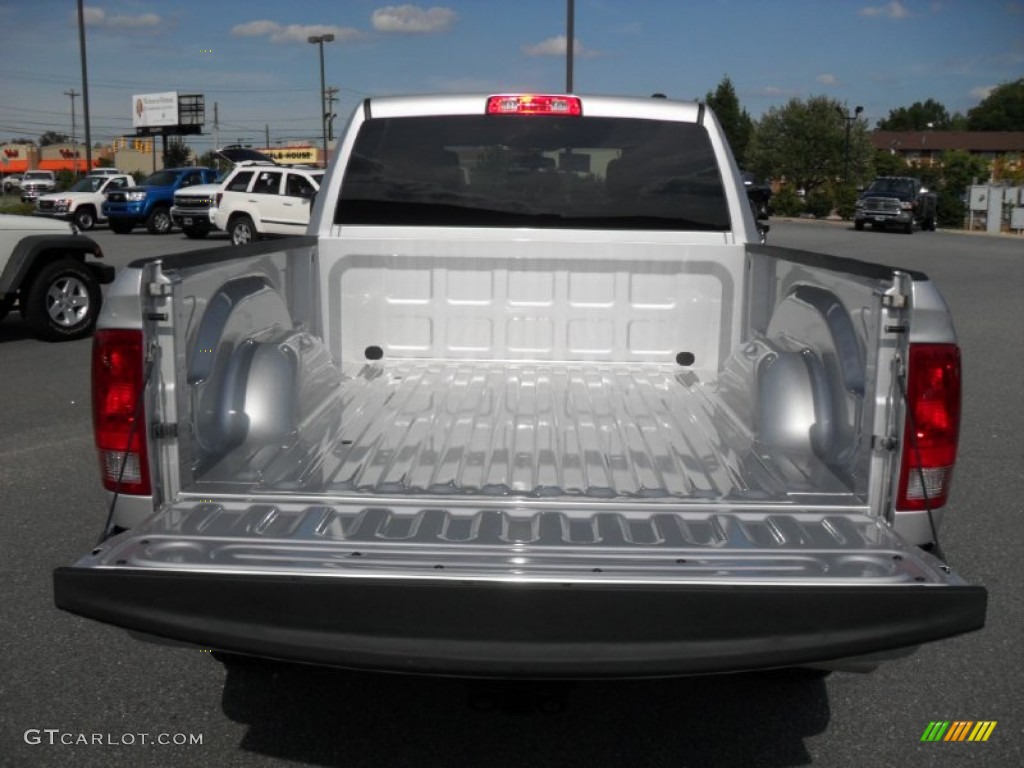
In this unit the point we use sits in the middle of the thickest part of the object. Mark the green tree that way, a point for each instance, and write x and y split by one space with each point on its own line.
890 164
52 137
736 121
918 117
177 155
804 143
959 170
1001 110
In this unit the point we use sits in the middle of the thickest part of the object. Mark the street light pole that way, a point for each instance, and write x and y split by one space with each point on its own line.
570 43
320 40
849 119
85 87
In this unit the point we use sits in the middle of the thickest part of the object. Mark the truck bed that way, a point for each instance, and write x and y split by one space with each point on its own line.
494 430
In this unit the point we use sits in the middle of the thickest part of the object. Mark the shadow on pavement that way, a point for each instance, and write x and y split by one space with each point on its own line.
333 717
13 328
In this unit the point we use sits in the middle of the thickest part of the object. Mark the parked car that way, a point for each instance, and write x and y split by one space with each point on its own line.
193 206
83 203
12 182
36 183
150 202
105 172
265 201
46 272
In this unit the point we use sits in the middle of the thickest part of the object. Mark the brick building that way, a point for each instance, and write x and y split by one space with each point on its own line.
925 147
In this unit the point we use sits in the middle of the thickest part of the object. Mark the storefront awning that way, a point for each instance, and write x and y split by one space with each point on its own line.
68 164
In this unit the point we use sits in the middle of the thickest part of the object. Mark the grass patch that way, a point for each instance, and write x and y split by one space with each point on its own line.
14 205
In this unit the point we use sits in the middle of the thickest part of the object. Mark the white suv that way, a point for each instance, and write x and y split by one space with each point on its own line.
257 201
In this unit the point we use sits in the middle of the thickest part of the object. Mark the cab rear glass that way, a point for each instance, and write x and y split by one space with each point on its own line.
528 171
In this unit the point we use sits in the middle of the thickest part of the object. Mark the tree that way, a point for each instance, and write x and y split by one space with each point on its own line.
804 142
918 117
177 155
959 169
52 137
736 121
1001 110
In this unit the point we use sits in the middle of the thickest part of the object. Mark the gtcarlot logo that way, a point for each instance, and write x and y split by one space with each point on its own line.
57 737
958 730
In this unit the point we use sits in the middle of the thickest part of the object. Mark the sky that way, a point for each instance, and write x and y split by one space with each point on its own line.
252 58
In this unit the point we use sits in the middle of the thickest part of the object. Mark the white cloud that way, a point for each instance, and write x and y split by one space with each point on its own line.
292 33
411 19
894 10
97 17
91 14
142 20
255 28
982 91
557 46
827 79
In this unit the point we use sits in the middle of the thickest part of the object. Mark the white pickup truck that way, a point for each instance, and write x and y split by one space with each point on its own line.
528 400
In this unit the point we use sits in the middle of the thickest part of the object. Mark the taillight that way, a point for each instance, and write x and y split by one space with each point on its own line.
118 414
529 104
932 427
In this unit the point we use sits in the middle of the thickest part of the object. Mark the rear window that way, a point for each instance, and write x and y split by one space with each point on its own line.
550 172
240 182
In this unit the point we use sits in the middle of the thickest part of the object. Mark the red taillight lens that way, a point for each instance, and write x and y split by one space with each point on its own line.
118 415
528 104
932 428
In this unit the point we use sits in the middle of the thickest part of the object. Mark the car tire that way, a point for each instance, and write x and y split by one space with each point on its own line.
5 307
908 228
859 226
242 230
195 233
121 227
85 218
62 302
159 221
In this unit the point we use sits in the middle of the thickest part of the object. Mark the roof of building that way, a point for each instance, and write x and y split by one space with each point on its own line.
937 141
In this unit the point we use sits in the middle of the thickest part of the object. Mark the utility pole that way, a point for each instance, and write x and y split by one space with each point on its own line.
85 87
320 40
266 128
73 93
570 42
216 127
332 95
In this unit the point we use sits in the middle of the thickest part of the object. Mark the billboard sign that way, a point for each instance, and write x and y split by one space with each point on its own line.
154 110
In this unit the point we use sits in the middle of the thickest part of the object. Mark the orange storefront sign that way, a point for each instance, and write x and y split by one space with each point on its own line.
13 160
69 164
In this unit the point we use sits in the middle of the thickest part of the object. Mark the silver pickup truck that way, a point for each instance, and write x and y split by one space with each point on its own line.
528 400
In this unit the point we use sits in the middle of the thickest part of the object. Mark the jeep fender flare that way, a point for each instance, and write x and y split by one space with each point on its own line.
35 250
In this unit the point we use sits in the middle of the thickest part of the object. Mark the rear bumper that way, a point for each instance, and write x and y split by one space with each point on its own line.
521 630
511 593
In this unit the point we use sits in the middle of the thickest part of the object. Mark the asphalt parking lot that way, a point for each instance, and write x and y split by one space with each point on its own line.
62 677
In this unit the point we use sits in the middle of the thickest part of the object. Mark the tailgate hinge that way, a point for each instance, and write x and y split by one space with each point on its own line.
157 288
898 296
897 300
